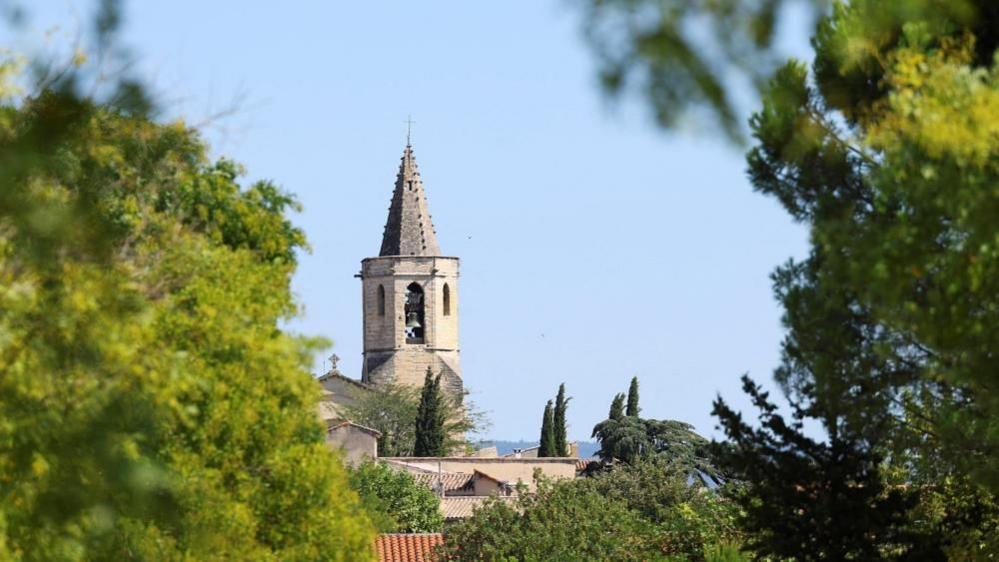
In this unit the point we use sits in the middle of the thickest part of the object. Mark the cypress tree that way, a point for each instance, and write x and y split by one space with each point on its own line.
547 446
430 419
633 408
561 440
617 407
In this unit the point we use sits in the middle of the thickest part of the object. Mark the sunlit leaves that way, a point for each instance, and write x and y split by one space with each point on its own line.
150 407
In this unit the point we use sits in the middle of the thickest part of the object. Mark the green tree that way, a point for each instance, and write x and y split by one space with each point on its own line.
884 148
633 409
647 511
689 518
396 501
561 521
633 440
811 499
616 407
430 438
152 406
392 410
546 445
561 438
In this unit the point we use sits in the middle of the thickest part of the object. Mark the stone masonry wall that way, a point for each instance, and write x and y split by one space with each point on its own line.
387 356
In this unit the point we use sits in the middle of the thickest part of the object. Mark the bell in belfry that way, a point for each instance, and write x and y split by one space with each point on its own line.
412 320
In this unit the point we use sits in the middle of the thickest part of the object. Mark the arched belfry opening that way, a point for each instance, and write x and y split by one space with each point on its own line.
415 320
381 300
447 300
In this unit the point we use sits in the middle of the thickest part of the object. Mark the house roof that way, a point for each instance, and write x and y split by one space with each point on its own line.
407 547
461 507
452 481
337 424
489 477
335 374
408 230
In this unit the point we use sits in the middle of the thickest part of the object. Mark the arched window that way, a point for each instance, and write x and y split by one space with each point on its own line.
447 300
381 300
414 313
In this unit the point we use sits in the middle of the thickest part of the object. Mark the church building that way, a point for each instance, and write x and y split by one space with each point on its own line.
410 294
410 302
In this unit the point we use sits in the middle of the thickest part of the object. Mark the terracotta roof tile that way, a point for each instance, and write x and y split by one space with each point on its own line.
407 547
461 507
453 481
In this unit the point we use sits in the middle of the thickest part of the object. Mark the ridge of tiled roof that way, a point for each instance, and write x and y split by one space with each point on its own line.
337 424
407 547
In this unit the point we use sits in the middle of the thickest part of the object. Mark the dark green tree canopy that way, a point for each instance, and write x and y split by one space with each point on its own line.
633 409
430 436
616 407
546 446
561 437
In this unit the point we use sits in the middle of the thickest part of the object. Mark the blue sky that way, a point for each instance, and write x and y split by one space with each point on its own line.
594 247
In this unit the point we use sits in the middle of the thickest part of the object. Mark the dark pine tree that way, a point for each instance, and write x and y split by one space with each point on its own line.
814 500
430 417
617 407
547 446
633 408
561 438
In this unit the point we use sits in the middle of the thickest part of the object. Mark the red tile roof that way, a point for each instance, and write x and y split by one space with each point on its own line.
407 547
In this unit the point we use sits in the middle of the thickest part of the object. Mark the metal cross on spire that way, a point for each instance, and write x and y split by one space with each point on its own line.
409 128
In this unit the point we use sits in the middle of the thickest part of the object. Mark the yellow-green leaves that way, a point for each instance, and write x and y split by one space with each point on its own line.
150 407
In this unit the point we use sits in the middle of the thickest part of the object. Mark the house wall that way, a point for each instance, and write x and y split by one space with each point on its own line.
356 444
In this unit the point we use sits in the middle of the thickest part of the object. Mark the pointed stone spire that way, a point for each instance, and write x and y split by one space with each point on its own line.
408 230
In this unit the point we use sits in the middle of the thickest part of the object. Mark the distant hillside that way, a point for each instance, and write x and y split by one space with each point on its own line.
586 448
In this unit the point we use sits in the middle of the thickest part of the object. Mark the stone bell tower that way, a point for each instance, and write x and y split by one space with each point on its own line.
410 294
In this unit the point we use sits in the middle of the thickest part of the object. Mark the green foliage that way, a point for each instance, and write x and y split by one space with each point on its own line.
687 58
815 500
562 521
688 516
889 154
632 439
629 438
561 439
430 438
152 407
633 409
392 410
396 501
616 407
887 149
546 445
643 512
725 552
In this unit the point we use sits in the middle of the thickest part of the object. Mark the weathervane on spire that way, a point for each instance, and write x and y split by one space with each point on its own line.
409 128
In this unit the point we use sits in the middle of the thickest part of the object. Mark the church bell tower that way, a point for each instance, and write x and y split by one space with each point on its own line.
410 294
